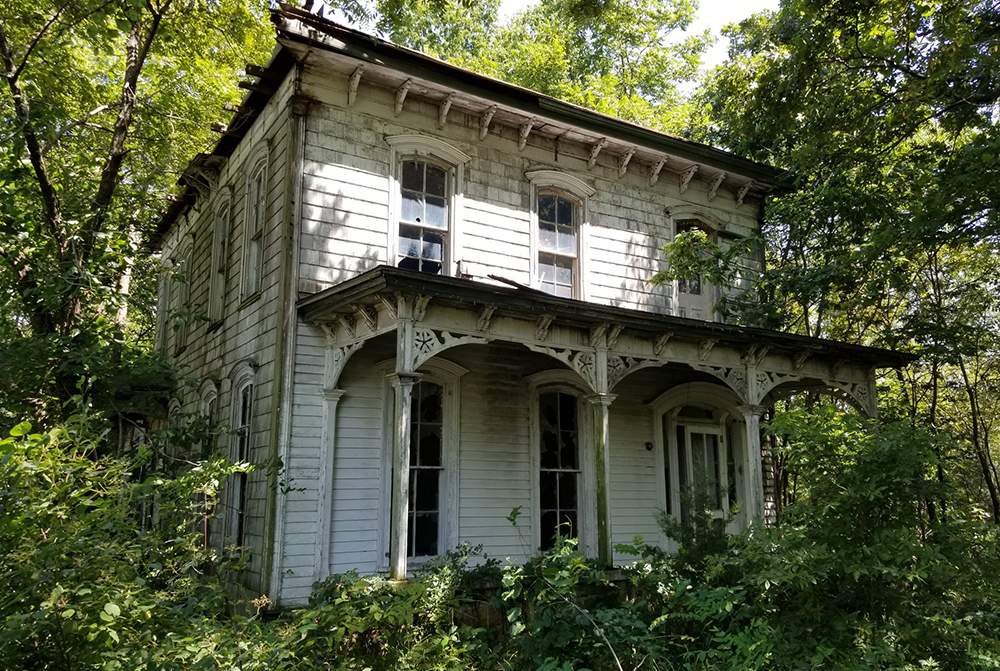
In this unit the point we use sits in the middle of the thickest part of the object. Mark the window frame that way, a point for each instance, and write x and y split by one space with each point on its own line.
221 231
448 375
726 423
441 154
564 381
254 227
561 184
238 483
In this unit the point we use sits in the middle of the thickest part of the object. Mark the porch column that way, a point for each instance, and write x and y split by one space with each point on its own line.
324 489
402 384
755 479
602 436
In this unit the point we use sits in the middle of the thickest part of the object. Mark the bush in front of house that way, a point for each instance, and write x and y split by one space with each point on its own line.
852 578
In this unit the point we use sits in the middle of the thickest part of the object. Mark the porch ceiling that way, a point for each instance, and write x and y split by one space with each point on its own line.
368 289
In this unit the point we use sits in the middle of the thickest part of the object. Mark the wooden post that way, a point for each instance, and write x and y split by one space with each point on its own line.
601 404
402 384
755 481
324 493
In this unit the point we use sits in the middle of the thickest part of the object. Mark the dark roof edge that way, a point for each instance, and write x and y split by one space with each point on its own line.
451 289
251 106
362 46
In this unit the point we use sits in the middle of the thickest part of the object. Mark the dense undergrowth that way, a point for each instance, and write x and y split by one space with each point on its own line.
852 578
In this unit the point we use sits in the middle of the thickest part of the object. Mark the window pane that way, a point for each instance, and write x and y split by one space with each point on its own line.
567 412
430 401
550 449
565 211
425 534
548 528
547 208
546 268
430 445
567 491
413 178
437 181
548 405
547 481
566 240
412 210
425 481
564 271
568 451
409 241
433 247
436 214
547 236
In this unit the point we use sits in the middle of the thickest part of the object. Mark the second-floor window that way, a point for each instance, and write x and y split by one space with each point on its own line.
253 240
558 243
423 216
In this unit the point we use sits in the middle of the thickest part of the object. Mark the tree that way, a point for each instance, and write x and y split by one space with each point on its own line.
103 103
885 115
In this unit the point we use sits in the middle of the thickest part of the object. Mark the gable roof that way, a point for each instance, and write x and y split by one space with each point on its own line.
300 32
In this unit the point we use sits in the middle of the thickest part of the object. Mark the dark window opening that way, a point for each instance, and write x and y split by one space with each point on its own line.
426 469
560 467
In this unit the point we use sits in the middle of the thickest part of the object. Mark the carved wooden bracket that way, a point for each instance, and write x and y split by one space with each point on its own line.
525 130
485 317
742 193
352 88
401 92
705 348
595 151
686 177
336 360
623 161
735 377
542 327
654 174
444 108
485 120
661 343
621 366
420 307
716 183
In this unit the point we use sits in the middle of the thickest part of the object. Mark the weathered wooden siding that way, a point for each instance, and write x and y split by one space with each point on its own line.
247 333
347 199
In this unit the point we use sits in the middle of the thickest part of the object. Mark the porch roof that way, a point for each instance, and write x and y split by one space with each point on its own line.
525 303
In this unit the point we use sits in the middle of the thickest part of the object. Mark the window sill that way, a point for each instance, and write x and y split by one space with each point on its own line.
215 326
253 298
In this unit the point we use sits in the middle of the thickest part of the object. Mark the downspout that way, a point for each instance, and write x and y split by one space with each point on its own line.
285 355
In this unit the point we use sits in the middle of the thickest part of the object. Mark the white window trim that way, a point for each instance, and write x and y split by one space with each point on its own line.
725 406
565 381
440 153
578 190
448 375
244 375
259 161
222 229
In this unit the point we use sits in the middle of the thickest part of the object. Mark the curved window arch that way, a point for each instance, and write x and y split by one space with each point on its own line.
426 187
561 454
558 232
180 297
701 451
254 216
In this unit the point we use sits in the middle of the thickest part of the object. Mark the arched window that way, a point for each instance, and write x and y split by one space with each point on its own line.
559 466
562 500
559 215
703 449
218 256
255 212
240 453
427 179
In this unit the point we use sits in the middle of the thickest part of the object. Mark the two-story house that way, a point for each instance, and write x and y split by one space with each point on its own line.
425 292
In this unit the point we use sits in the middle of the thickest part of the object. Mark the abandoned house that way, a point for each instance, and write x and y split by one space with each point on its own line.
425 292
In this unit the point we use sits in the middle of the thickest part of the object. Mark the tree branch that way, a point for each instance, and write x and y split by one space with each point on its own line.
38 38
50 200
137 49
